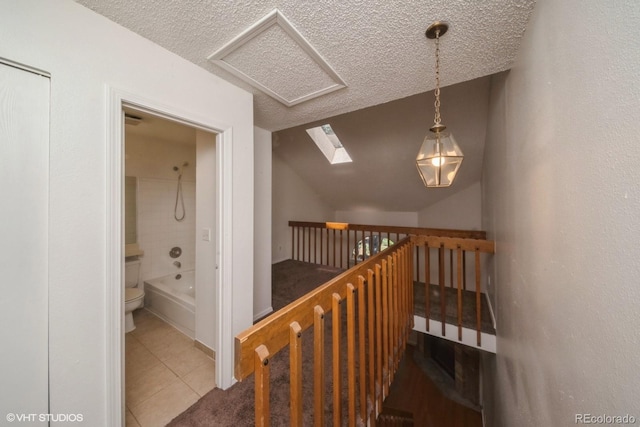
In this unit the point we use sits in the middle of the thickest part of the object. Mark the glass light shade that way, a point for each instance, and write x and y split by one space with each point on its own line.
439 159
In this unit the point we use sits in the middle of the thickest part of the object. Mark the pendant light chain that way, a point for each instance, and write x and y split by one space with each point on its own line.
440 156
437 118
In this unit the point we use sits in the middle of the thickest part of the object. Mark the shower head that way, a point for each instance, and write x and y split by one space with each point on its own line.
179 169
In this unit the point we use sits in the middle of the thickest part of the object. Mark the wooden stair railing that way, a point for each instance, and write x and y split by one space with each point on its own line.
457 266
343 245
378 297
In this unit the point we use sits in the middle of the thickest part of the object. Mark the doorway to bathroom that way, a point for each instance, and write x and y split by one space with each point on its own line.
170 225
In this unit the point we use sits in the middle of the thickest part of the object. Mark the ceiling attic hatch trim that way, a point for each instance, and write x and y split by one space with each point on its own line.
248 69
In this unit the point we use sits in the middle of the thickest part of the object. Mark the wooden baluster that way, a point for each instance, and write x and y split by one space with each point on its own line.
443 302
315 245
341 245
403 286
351 353
394 306
261 367
371 317
385 326
401 297
309 244
337 377
411 307
451 268
378 298
334 248
361 347
328 247
318 366
427 282
293 238
295 361
321 245
478 300
348 249
392 312
459 293
417 263
464 270
298 246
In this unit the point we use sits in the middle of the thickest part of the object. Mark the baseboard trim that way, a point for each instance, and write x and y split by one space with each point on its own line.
262 314
206 350
493 317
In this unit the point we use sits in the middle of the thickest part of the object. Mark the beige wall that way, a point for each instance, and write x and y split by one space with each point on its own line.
462 210
377 217
293 200
560 196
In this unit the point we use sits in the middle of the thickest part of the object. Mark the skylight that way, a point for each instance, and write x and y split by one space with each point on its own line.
328 142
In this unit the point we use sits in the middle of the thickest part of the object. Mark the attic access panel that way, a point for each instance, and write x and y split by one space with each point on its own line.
275 58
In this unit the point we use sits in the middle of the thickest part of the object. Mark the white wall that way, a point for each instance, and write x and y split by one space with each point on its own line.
371 217
561 199
262 224
205 229
84 54
293 200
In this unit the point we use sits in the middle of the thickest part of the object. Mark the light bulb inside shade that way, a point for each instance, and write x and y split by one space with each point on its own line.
437 161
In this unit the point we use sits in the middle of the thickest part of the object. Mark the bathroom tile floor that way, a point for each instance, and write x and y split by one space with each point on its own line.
164 372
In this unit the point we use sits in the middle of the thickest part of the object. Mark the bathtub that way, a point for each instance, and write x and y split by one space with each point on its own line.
172 298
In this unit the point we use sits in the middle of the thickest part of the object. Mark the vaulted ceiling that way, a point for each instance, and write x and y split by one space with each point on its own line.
377 49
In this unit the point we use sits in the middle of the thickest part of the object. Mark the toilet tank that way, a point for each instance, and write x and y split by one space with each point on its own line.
132 273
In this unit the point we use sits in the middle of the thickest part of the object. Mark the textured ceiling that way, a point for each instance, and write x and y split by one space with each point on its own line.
377 47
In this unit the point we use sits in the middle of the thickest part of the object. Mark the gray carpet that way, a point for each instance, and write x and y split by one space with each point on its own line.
235 406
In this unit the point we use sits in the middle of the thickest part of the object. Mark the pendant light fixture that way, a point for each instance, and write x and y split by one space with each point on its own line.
439 157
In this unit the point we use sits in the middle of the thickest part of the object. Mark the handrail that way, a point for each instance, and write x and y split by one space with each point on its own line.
276 326
377 292
378 296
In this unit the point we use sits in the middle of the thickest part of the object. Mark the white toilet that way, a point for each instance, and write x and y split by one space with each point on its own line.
133 293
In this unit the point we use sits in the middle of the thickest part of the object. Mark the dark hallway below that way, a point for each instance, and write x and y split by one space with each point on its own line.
413 391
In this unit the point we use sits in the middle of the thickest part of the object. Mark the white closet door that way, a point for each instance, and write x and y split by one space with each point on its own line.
24 216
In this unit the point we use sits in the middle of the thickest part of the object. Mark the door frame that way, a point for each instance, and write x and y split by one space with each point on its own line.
114 251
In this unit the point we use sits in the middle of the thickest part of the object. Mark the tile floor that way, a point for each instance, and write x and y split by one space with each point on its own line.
164 372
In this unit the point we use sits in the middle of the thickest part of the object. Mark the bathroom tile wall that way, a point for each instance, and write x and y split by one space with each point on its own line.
158 230
153 161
